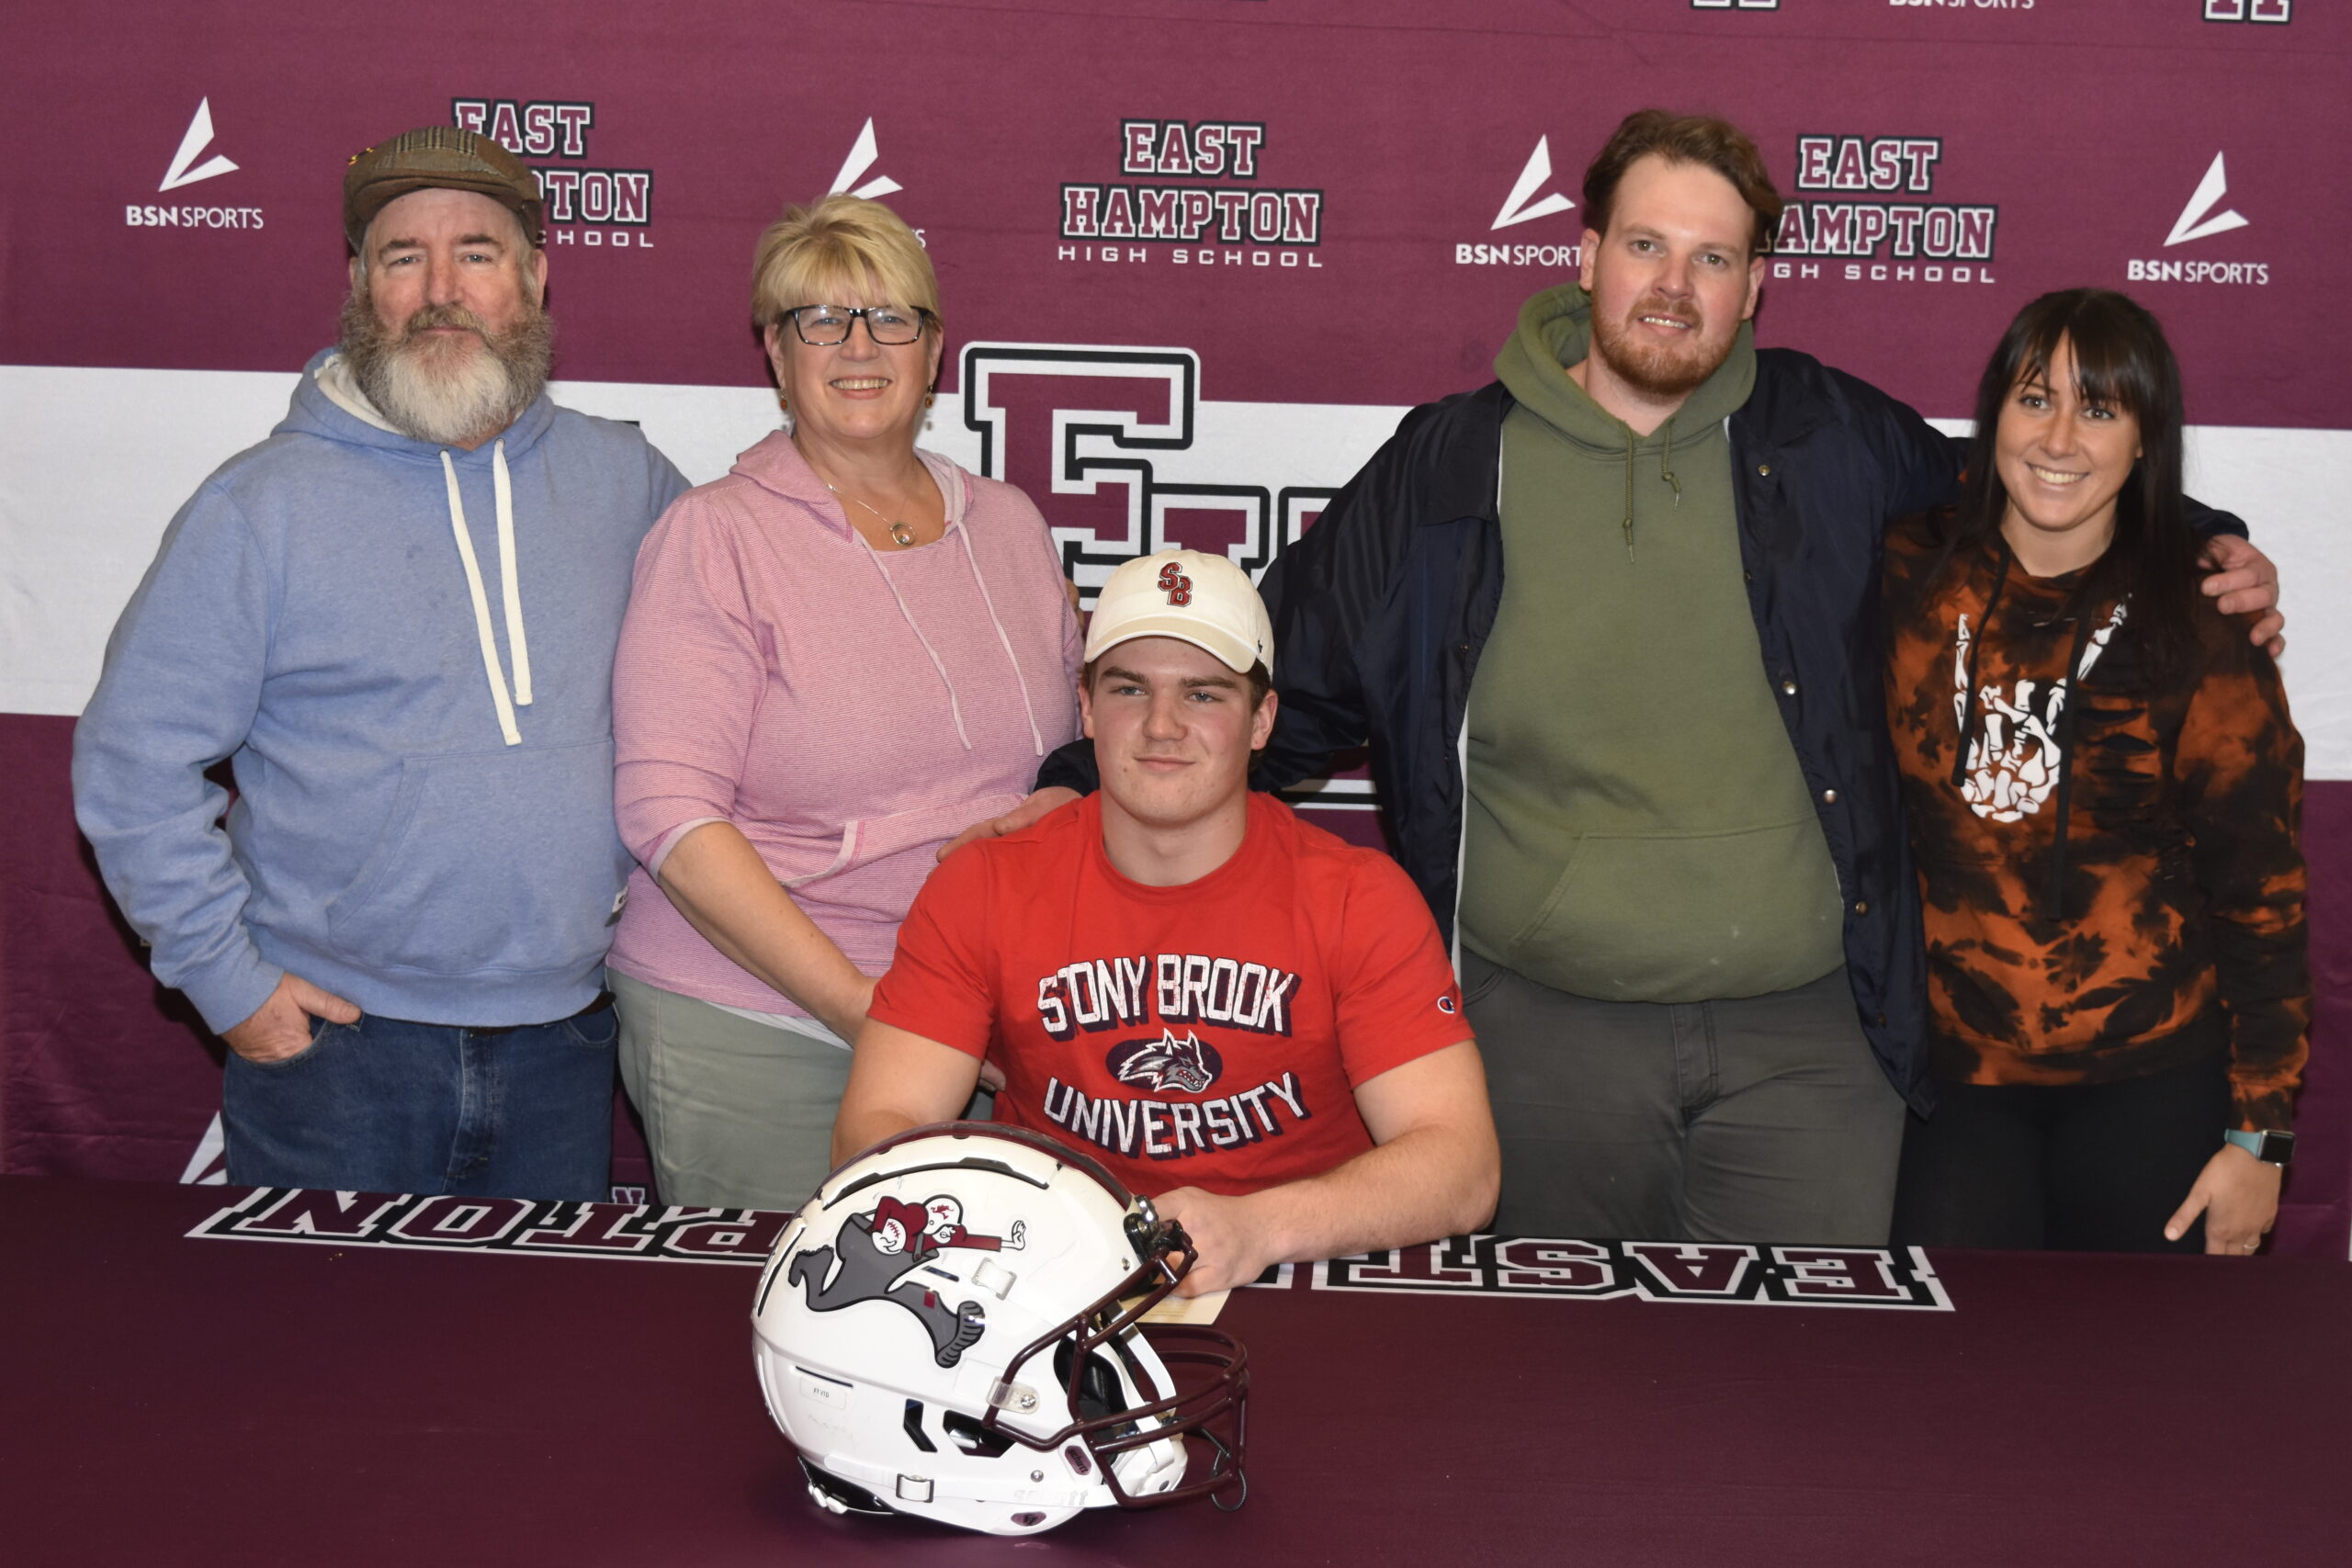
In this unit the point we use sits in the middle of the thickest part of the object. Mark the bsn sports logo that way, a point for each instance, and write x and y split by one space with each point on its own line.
2194 222
2199 221
184 170
1860 216
192 145
1124 222
864 153
1523 205
592 206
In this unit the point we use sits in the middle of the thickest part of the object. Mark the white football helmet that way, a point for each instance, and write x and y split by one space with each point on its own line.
948 1329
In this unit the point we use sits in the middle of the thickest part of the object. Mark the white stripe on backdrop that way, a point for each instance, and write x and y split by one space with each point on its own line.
97 461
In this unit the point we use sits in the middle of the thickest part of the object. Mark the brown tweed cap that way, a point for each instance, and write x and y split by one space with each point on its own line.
438 157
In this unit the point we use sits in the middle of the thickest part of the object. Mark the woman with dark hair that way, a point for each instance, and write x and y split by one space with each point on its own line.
2104 790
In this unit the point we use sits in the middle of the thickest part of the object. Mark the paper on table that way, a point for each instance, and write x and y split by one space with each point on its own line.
1188 1309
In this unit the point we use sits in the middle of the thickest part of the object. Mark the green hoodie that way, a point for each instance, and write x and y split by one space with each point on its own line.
1638 828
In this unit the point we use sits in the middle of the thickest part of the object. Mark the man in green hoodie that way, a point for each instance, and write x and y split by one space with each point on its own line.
1649 910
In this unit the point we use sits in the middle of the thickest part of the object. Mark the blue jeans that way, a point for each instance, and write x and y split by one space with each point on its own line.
385 1105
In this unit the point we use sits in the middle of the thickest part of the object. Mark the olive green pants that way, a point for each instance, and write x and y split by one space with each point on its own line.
739 1114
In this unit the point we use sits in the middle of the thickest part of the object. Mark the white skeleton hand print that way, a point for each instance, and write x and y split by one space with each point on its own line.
2013 758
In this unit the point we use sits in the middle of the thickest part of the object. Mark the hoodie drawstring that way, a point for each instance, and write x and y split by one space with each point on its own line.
511 589
501 486
1037 736
1968 670
1629 493
1665 471
954 708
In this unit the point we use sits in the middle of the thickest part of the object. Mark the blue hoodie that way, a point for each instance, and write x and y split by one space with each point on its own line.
423 758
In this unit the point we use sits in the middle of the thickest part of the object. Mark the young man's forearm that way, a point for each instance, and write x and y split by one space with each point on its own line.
1430 1181
865 1126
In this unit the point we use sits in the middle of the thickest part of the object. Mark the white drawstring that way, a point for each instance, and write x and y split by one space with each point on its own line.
1036 737
510 574
513 592
954 708
972 560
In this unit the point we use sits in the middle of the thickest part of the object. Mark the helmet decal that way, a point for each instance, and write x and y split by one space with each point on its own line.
888 1256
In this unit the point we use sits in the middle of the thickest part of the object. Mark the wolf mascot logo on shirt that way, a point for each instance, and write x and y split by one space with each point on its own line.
1188 1066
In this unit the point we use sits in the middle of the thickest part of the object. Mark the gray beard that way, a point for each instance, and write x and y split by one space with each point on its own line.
447 392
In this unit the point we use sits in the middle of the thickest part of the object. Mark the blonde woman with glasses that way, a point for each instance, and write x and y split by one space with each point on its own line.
836 658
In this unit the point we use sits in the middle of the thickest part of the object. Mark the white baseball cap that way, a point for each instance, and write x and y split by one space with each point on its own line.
1204 599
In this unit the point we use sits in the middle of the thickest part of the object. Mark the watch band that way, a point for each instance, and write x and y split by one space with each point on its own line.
2271 1148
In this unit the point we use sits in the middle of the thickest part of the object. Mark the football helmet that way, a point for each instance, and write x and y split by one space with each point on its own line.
949 1328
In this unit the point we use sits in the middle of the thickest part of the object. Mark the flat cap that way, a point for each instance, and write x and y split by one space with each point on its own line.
439 157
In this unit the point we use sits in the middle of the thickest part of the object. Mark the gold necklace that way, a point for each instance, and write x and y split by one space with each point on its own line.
901 535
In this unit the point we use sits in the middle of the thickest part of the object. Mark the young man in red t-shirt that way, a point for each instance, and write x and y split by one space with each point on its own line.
1242 1017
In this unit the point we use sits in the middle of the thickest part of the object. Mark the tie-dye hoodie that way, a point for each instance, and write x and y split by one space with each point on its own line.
2110 891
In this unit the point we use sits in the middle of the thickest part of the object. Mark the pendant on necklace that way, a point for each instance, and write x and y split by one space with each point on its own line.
903 536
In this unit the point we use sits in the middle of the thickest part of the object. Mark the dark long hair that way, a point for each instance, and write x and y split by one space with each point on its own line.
2121 360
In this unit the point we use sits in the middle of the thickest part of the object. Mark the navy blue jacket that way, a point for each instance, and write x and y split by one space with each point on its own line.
1381 608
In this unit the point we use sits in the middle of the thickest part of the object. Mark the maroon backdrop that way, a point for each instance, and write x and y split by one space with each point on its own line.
1323 204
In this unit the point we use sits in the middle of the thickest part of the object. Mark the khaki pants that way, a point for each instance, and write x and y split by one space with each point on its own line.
1763 1119
737 1114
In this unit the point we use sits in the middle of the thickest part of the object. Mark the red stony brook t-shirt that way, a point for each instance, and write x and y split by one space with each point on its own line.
1209 1035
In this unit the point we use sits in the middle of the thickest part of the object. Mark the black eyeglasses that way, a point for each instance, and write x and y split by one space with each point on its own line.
823 326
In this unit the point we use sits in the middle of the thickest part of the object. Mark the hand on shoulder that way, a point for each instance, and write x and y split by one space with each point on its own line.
1036 809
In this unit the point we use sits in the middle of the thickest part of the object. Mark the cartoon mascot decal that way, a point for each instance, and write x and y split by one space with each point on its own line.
891 1255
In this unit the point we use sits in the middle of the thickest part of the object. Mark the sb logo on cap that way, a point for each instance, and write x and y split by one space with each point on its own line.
1175 584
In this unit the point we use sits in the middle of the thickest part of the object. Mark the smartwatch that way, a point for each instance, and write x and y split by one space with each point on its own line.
2271 1148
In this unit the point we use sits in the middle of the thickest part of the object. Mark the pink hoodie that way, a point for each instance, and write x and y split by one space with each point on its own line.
849 710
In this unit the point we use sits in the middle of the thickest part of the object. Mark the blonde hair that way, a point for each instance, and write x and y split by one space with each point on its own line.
838 245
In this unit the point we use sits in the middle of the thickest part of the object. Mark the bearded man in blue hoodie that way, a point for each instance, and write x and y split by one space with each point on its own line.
395 619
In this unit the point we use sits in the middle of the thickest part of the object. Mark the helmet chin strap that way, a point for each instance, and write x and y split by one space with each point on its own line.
1229 1462
833 1495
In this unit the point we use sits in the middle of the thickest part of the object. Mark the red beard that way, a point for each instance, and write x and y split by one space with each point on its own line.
1660 370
